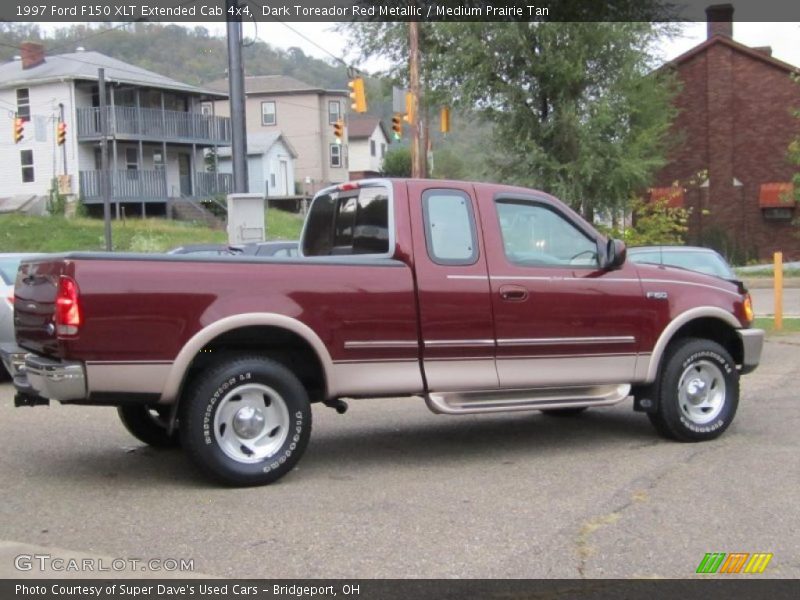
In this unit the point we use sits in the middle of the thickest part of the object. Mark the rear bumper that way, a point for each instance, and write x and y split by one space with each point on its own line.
47 378
752 344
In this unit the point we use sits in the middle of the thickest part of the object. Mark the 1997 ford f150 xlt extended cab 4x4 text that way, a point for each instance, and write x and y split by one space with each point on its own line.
477 297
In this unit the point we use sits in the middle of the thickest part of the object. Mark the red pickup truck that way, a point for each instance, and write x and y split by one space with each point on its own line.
476 297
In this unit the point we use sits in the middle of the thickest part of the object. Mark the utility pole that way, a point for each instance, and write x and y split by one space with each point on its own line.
418 153
105 176
237 97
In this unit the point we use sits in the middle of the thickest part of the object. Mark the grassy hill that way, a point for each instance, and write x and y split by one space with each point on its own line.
21 233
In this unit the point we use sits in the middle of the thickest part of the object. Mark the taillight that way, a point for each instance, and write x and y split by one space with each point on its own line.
748 308
68 308
10 297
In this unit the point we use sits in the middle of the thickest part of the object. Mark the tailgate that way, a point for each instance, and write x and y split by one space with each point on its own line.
34 305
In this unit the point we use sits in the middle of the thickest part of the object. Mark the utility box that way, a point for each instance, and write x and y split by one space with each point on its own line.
246 218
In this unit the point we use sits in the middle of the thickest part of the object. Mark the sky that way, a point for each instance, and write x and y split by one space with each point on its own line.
784 38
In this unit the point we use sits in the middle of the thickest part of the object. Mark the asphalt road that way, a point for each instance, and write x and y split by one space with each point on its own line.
391 490
764 301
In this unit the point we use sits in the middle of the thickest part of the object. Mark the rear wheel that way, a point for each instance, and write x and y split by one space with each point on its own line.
247 421
149 424
699 392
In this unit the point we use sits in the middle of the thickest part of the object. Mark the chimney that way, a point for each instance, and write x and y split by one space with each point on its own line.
32 54
720 20
764 50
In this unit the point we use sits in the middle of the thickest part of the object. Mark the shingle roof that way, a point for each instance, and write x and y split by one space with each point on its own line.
260 143
362 127
274 84
84 65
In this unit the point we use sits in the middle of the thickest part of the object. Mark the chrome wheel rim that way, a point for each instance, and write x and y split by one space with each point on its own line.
251 423
701 392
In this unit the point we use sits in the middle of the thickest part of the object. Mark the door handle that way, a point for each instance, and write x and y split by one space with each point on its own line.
513 293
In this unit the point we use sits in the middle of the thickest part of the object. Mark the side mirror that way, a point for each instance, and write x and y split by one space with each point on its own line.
615 254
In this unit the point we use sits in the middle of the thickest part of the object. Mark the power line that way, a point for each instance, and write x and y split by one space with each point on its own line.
313 43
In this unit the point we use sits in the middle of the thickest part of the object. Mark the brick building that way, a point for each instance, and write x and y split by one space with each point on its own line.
734 127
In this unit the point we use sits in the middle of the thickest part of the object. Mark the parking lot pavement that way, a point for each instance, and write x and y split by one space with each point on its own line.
391 490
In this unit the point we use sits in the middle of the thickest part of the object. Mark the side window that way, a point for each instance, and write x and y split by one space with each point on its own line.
536 235
450 234
346 223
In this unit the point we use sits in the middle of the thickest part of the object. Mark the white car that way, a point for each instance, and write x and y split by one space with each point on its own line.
8 273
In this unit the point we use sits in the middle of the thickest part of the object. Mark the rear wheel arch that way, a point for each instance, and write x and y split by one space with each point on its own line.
281 338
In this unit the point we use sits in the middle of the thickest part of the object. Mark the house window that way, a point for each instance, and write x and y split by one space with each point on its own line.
334 111
26 160
372 147
383 150
268 116
158 160
336 155
206 109
778 214
24 104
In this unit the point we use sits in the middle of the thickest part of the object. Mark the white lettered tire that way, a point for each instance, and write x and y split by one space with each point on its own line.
246 421
699 392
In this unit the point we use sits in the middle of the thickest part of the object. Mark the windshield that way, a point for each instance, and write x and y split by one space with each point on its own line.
701 261
8 269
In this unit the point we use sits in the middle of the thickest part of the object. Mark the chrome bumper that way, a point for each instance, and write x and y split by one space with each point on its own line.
752 344
44 377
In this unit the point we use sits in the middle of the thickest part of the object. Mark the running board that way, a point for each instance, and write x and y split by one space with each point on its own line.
489 401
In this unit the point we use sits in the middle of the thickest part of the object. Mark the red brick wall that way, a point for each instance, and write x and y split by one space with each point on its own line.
735 121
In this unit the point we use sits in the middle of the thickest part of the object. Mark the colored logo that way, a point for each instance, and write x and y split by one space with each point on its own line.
733 563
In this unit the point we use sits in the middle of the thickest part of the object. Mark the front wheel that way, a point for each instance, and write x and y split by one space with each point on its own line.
247 421
699 392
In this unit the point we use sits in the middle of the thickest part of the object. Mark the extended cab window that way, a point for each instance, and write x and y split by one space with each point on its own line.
536 235
348 222
449 227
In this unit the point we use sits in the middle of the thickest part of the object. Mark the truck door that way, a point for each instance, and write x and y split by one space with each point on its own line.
453 287
558 317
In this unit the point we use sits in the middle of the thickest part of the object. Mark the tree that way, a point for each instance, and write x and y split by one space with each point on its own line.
794 153
656 223
397 163
576 107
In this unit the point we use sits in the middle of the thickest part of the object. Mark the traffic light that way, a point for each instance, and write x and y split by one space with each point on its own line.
61 133
397 126
19 129
338 131
444 120
358 95
410 108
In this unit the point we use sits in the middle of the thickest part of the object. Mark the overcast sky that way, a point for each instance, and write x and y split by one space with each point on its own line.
783 37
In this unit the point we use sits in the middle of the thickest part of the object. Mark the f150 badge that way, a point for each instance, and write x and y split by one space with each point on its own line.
657 295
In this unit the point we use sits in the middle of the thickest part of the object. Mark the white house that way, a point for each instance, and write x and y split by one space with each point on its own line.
368 142
270 164
156 137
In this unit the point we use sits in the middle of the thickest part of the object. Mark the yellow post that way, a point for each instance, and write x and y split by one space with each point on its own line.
778 279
